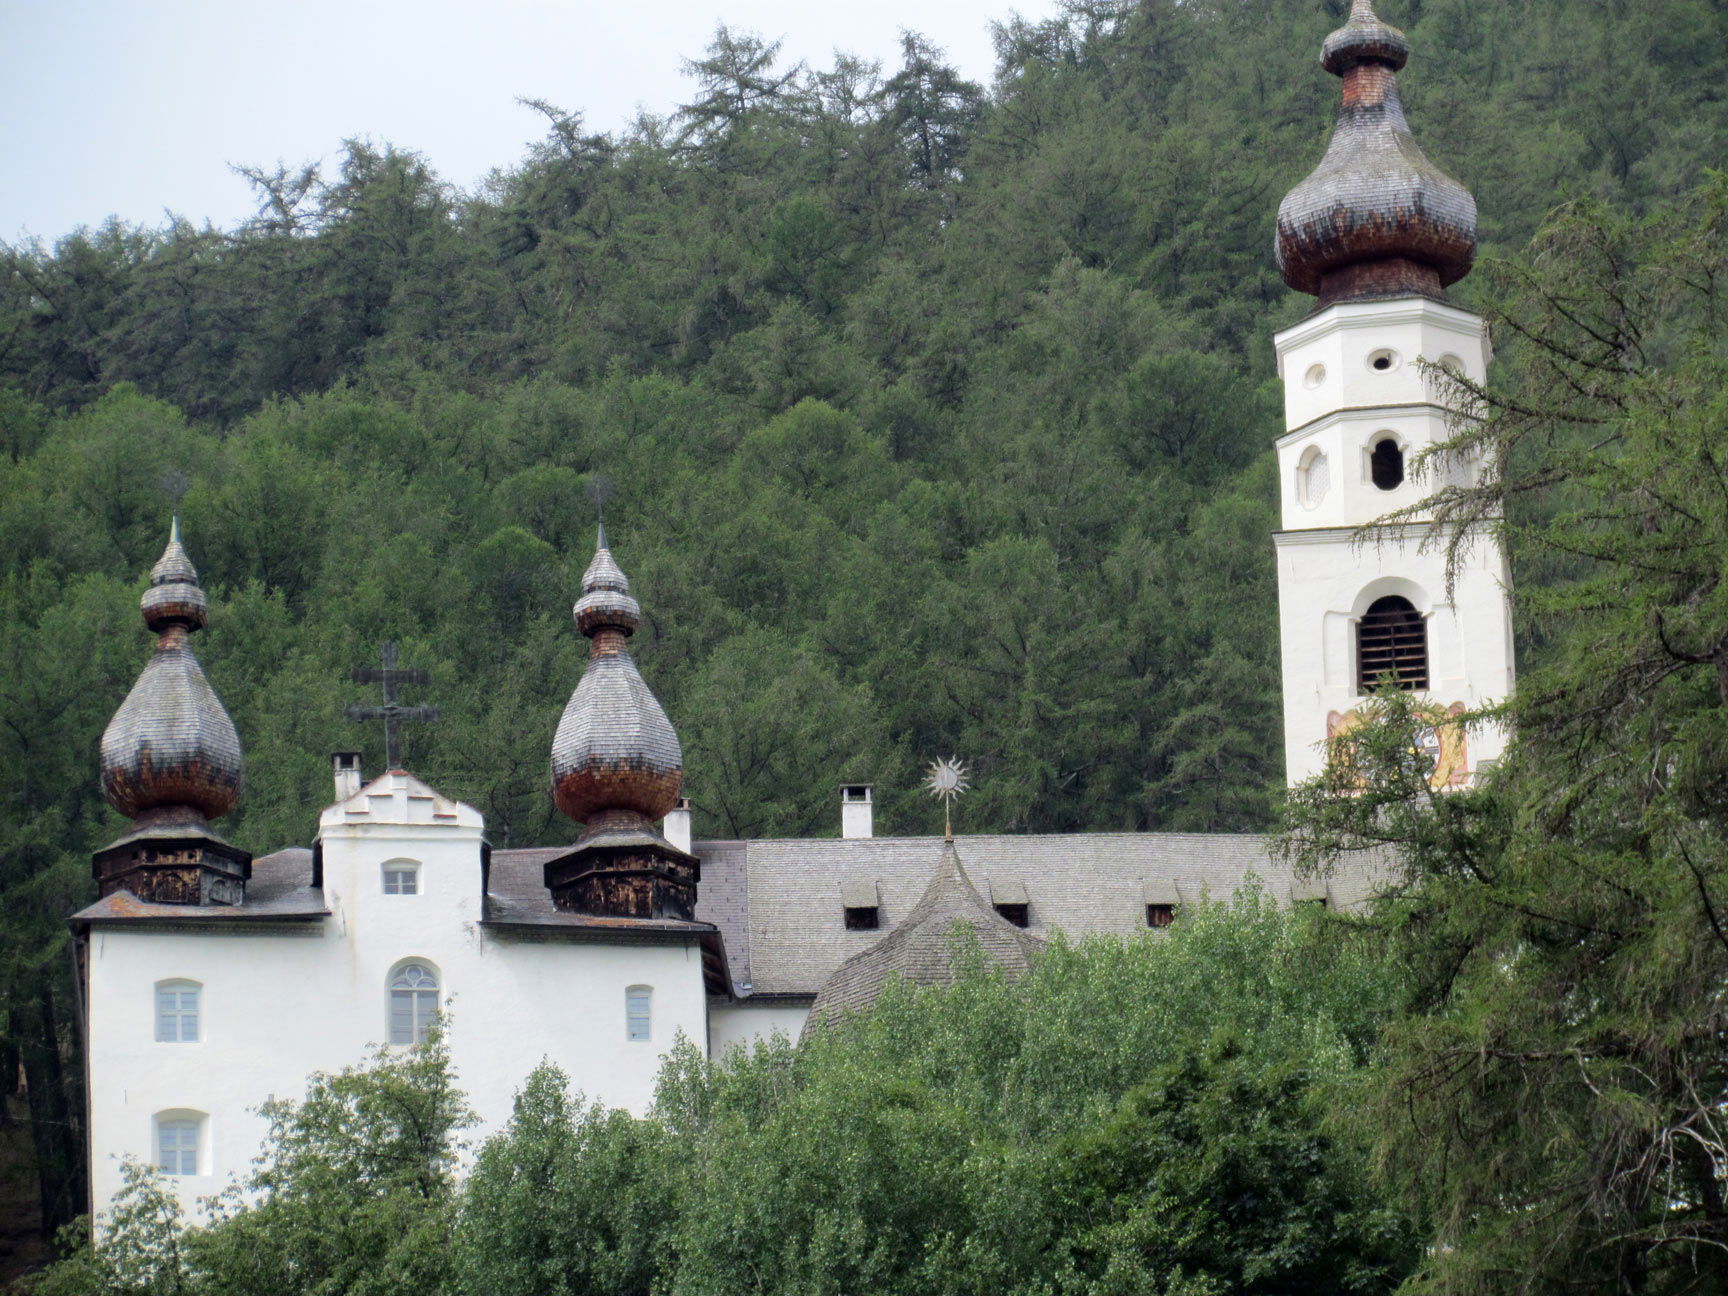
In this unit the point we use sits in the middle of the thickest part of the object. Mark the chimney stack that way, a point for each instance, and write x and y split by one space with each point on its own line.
675 827
347 767
856 815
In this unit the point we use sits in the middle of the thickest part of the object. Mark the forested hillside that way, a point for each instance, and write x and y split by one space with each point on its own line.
937 417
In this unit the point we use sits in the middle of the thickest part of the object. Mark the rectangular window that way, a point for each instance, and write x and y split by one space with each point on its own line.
1160 915
403 880
636 1012
177 1147
177 1014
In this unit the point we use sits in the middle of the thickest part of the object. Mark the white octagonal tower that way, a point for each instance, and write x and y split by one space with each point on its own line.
1377 232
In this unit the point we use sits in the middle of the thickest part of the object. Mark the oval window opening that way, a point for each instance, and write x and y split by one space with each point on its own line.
1315 376
1386 464
1382 360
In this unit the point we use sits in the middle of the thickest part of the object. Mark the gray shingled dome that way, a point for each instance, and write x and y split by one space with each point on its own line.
615 748
921 949
172 743
1376 217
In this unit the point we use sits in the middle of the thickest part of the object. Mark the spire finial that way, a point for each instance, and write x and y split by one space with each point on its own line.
174 529
947 780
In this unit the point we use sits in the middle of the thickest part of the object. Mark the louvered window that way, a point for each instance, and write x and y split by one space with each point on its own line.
177 1012
413 1003
1391 646
638 1009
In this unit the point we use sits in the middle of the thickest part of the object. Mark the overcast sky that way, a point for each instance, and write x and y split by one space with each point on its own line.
137 107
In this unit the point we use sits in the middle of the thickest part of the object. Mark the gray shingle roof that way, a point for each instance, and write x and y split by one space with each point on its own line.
1076 883
921 948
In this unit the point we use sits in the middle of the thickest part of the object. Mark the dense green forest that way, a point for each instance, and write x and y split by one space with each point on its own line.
937 418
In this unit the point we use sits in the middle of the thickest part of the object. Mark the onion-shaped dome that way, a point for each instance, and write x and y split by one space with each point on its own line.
921 949
614 749
171 746
1376 218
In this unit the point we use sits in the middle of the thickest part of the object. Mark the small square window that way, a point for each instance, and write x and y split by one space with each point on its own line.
862 918
177 1012
1018 914
401 879
1160 915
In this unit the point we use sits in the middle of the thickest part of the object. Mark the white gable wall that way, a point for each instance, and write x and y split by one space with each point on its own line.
280 1002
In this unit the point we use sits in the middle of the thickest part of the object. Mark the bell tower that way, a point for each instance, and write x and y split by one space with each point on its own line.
1377 232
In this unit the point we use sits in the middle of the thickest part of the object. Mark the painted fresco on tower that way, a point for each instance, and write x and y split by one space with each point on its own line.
1441 744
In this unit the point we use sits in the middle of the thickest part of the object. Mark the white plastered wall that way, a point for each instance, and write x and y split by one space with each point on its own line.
281 1002
1338 403
738 1024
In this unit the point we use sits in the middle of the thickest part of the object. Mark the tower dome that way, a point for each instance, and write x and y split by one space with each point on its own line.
615 750
1376 218
616 766
171 750
170 761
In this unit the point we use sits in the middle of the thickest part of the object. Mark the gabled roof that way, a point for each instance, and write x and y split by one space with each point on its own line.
396 799
921 949
789 935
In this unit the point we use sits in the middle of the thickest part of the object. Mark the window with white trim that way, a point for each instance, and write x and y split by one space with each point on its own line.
177 1012
401 877
413 1002
177 1137
638 1010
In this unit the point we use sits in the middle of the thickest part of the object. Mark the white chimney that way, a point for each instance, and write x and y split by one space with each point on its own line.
347 765
856 816
675 827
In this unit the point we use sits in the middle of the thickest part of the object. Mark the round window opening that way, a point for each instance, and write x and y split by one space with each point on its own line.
1386 464
1314 377
1383 360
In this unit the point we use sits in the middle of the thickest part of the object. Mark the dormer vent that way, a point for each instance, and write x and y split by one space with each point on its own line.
1009 899
860 901
1162 899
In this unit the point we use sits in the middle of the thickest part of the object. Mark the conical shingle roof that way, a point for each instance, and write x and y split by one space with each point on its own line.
921 949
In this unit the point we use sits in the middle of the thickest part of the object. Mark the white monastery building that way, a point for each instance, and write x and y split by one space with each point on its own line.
214 980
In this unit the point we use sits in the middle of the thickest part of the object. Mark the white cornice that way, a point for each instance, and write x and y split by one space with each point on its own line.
1359 414
1401 310
1395 532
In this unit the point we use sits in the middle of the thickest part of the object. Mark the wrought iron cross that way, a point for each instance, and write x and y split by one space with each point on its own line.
392 713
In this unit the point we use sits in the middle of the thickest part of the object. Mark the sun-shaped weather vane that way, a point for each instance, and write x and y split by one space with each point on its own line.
947 780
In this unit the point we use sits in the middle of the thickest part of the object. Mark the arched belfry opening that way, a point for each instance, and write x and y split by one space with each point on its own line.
1386 463
1391 646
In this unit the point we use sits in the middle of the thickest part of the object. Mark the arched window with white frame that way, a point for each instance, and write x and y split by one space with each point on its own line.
638 1012
401 877
177 1012
180 1140
413 1001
